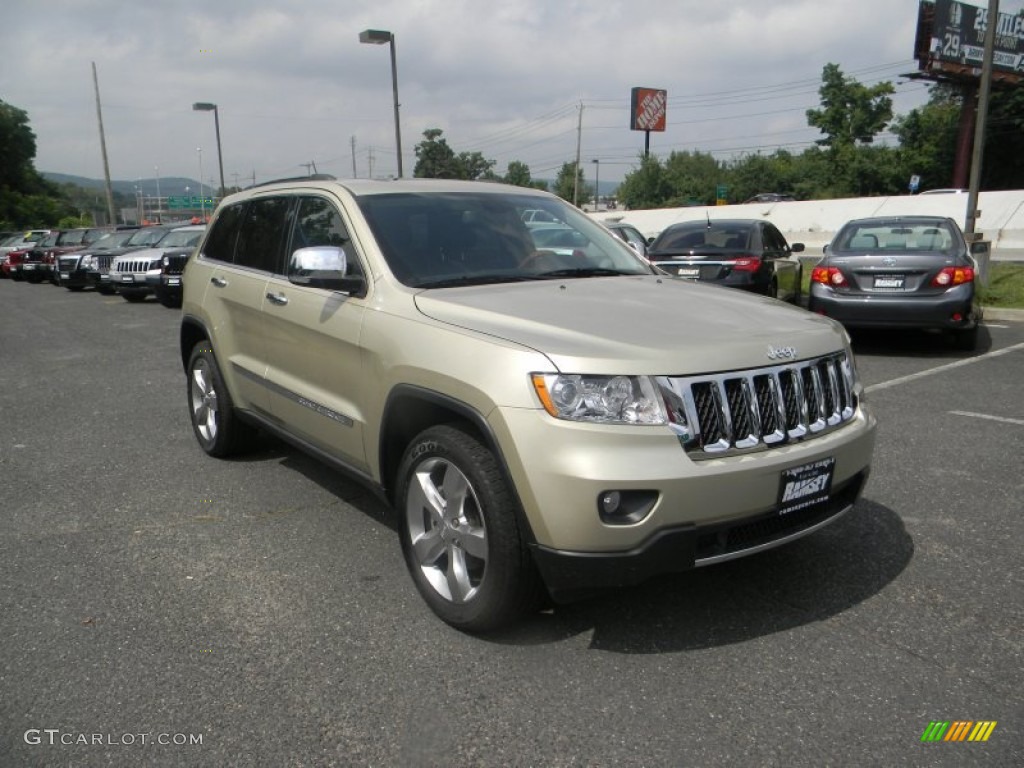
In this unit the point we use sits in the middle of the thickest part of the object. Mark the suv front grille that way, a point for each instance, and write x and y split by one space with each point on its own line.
760 408
68 263
135 266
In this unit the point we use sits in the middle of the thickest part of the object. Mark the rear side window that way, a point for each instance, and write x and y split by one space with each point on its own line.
220 245
263 234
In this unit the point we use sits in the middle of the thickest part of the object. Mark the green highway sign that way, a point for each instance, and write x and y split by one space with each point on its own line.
188 203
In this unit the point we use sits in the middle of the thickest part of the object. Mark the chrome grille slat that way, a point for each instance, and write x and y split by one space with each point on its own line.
755 409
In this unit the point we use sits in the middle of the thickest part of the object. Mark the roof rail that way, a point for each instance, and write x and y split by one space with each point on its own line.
311 177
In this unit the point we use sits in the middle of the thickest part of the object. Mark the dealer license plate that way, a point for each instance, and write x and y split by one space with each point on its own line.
28 267
806 486
889 282
127 278
689 272
64 275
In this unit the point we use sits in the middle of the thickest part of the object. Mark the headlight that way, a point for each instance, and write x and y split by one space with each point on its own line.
87 262
601 399
165 261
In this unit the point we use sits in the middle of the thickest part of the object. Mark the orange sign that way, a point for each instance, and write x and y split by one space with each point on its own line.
648 107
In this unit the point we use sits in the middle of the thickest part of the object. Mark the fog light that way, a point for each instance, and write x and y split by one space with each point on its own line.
957 317
625 507
610 502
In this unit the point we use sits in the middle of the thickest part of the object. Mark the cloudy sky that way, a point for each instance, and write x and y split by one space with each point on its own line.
506 78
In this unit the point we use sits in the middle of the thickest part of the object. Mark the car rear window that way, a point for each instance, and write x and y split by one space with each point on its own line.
875 237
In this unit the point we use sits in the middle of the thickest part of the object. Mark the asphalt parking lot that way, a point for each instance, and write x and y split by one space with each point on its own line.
164 608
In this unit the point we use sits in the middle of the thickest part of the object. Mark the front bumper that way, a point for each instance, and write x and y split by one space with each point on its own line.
898 310
705 510
672 550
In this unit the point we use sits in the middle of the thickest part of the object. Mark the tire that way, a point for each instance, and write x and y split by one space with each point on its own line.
773 289
460 533
966 341
216 425
133 297
104 291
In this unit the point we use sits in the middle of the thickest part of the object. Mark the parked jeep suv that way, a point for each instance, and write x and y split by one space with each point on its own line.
566 418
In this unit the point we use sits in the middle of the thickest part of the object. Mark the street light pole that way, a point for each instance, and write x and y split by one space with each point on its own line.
379 37
597 184
156 168
205 106
202 193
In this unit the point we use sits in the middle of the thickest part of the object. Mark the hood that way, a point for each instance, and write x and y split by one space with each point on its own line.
639 325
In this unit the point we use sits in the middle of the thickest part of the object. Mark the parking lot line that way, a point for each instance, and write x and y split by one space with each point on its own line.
989 417
941 368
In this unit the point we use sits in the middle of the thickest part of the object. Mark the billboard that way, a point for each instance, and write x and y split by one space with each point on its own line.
647 111
955 35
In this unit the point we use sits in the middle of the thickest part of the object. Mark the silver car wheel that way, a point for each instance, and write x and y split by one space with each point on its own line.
204 401
446 529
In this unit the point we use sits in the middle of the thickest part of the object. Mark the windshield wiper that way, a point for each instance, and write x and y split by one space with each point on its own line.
454 282
585 272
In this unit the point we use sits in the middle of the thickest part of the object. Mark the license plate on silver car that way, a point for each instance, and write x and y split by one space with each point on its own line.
806 486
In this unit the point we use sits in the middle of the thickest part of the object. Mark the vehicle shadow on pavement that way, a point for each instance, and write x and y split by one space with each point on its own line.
804 582
917 343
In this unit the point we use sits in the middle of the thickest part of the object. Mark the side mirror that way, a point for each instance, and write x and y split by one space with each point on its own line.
323 266
797 247
824 248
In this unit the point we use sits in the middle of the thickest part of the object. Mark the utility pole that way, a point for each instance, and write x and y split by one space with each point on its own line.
980 119
354 174
369 153
103 147
576 171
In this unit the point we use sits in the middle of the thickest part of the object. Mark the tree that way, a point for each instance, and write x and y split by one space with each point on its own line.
851 113
26 198
646 187
928 137
436 160
566 187
693 177
518 174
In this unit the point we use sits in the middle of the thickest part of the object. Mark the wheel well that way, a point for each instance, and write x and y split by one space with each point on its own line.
191 334
410 412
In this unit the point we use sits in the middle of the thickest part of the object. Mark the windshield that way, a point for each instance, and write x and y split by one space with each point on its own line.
147 237
433 240
112 240
182 238
72 237
888 235
50 240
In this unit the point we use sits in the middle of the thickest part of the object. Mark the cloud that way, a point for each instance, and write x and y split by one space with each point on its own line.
294 85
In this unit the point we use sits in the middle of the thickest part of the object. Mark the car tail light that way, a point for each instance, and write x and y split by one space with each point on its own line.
746 264
953 276
828 276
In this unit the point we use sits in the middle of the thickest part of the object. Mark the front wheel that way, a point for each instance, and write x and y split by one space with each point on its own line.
214 421
460 532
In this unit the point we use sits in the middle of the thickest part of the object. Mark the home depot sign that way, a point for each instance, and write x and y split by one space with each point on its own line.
648 107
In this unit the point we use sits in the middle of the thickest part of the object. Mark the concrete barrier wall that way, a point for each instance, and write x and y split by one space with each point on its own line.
814 222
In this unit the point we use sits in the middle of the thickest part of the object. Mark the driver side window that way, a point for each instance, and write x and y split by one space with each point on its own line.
319 223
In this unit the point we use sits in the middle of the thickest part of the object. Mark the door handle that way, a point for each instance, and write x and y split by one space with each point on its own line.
220 282
277 298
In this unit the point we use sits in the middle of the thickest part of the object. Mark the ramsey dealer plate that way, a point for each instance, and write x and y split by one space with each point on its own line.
889 282
805 486
688 272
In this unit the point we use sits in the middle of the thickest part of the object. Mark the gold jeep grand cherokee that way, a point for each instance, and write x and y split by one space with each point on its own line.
543 409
